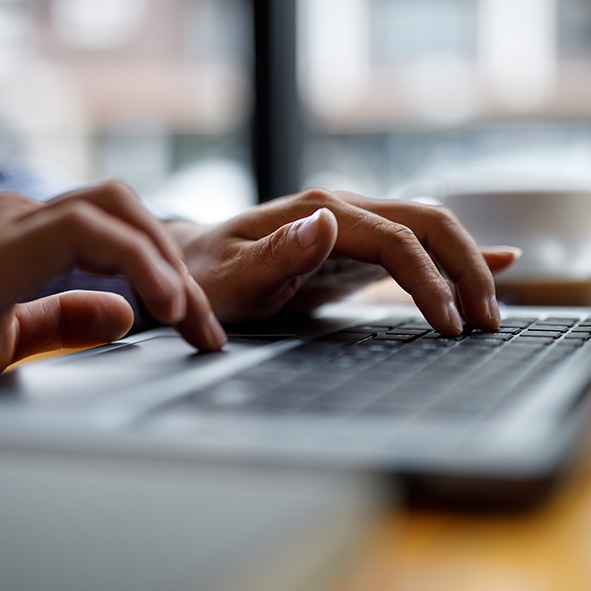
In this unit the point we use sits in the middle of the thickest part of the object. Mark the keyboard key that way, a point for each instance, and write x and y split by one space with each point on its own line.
539 334
369 330
402 337
577 336
549 327
509 329
560 320
503 336
415 326
408 331
441 338
517 322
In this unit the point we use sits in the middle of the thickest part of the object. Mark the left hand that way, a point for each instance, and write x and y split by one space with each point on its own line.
306 249
101 229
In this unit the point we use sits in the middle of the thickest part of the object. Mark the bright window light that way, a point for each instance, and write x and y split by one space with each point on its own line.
97 24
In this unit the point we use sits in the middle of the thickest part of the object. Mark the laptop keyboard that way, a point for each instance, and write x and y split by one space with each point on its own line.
402 369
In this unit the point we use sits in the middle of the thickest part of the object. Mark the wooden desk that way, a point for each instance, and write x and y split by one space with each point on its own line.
547 548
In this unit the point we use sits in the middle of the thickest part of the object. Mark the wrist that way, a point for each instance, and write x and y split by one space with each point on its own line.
195 241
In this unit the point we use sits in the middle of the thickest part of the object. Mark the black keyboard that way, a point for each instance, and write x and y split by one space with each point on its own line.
401 369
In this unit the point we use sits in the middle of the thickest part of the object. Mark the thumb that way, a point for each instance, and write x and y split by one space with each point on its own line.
277 263
500 258
298 247
74 319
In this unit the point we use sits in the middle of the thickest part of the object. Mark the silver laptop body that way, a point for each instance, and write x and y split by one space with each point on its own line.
367 387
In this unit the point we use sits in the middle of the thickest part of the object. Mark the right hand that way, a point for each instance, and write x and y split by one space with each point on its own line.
303 250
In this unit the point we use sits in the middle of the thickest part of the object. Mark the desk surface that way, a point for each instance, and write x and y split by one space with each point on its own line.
547 548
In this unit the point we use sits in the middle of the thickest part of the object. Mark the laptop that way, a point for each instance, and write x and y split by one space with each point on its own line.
486 417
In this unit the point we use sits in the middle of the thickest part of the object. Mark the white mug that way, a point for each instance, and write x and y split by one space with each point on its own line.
552 226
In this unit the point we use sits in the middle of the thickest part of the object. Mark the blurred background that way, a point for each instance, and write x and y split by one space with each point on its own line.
208 106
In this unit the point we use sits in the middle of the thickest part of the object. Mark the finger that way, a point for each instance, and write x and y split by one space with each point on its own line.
75 319
277 263
200 327
75 233
119 200
462 261
455 251
371 238
299 246
499 258
13 205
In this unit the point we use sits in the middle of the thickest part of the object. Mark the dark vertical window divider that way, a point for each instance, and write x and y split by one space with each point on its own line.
277 128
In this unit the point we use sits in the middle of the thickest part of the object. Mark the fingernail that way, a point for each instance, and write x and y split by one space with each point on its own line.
514 250
307 230
216 336
454 318
493 310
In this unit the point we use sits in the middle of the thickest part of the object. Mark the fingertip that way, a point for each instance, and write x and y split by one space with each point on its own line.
306 231
215 335
311 230
200 327
329 220
499 258
513 251
328 228
121 316
454 319
494 313
71 320
104 316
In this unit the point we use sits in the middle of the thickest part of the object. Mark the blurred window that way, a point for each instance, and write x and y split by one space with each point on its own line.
390 92
156 92
410 30
396 92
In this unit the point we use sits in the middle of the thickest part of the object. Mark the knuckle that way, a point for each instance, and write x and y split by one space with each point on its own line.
138 244
118 192
403 235
445 215
117 187
318 198
75 214
274 247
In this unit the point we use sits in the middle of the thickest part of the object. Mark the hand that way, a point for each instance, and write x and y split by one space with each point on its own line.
306 249
104 230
